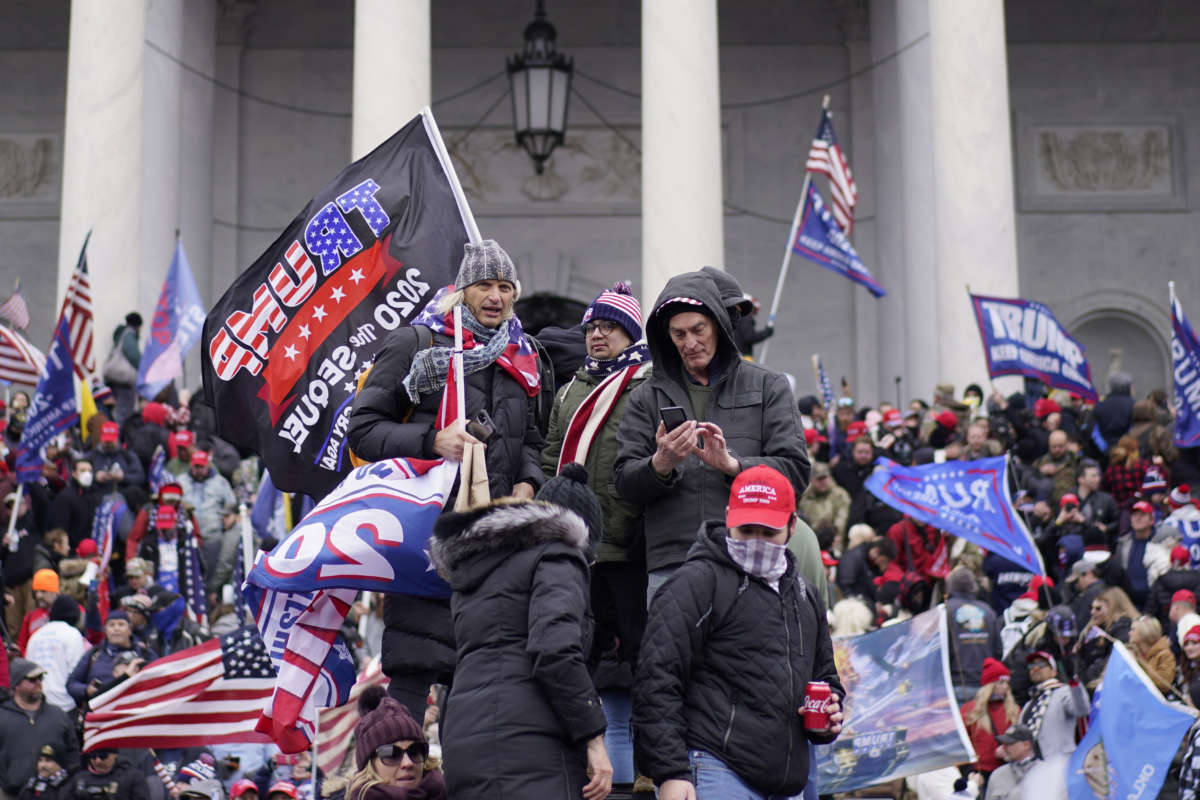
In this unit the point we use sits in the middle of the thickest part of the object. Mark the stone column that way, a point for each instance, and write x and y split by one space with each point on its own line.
973 176
391 69
682 200
102 186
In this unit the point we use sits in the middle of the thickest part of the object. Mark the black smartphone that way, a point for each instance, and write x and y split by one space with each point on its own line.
673 416
481 426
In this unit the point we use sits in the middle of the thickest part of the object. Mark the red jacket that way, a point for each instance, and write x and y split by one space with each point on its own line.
927 545
984 742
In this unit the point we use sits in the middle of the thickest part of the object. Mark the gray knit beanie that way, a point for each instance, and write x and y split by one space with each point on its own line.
961 580
485 261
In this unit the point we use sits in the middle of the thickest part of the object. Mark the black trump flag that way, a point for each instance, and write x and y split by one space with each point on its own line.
285 344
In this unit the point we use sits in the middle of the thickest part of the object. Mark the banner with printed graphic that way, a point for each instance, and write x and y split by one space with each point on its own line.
969 499
1185 355
1022 337
286 343
901 718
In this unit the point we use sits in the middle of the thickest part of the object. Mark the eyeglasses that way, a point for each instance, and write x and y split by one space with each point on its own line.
605 326
392 755
34 678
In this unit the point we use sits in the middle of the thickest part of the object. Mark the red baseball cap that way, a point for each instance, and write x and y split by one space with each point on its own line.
1068 499
856 429
171 489
86 548
1143 507
812 436
760 496
200 458
947 419
109 432
242 786
1044 407
286 787
1184 596
892 417
1180 555
185 438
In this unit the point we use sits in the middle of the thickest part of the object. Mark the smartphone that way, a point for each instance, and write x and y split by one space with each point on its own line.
481 426
673 416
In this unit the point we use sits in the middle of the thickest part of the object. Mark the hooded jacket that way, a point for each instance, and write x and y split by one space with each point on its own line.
23 733
752 405
522 706
724 667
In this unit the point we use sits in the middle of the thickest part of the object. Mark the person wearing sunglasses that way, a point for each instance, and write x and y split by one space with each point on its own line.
390 753
27 722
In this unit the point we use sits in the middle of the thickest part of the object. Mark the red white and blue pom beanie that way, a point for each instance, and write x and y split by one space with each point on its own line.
619 305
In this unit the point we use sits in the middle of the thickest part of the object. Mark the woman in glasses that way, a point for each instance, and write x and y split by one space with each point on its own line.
390 752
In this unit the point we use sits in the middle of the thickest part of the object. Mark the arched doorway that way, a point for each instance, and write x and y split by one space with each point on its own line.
1113 337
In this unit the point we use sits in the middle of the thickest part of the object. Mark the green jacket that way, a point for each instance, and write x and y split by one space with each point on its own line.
621 518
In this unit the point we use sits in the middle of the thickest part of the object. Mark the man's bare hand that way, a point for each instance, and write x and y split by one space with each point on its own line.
676 789
715 452
834 706
451 440
673 446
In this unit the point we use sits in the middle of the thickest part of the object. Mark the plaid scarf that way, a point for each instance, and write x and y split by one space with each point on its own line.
506 346
1036 714
759 558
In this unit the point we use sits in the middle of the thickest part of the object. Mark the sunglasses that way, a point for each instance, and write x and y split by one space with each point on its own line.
391 755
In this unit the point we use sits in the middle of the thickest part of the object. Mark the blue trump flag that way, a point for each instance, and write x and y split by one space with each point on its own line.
1185 353
1022 337
174 330
54 408
969 499
819 239
1132 739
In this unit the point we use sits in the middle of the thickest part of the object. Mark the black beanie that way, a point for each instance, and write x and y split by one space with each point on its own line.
64 609
570 491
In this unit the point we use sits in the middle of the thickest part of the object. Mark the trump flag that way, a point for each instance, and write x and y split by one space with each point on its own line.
174 329
1132 739
820 239
1022 337
54 408
285 344
969 499
1185 355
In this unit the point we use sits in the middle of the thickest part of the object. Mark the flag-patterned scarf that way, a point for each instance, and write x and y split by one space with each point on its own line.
636 354
593 412
506 345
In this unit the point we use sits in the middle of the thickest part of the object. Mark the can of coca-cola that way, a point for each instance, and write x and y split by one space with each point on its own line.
816 706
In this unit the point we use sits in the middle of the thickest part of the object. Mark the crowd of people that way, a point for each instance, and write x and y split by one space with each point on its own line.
674 536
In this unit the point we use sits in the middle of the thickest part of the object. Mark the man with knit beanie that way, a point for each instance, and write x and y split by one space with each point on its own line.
394 416
974 632
583 429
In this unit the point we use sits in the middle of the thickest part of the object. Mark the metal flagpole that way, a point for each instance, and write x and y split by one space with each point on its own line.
460 389
787 249
12 519
312 768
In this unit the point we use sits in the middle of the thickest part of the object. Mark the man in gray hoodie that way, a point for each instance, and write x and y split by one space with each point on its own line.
1054 707
735 415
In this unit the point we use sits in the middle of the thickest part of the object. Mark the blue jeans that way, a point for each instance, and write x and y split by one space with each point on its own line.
654 581
715 781
618 737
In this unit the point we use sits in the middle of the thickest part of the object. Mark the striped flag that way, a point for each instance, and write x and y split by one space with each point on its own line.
209 694
158 474
828 402
14 309
20 362
77 308
337 724
826 158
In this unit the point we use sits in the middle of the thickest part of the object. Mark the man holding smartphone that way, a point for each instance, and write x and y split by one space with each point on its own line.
737 415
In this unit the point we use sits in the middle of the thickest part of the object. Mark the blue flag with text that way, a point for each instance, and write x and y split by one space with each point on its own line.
820 239
174 330
1022 337
1112 762
54 408
1185 354
969 499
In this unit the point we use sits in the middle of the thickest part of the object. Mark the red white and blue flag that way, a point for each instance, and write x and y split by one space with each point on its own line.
20 362
77 311
337 724
826 158
819 239
174 328
14 309
1185 353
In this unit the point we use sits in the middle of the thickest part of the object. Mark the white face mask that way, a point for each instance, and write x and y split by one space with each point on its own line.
85 479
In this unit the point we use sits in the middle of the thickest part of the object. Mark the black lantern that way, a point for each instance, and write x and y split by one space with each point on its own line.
540 78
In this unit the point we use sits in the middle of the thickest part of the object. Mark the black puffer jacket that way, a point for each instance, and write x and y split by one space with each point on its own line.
522 706
752 405
724 666
122 783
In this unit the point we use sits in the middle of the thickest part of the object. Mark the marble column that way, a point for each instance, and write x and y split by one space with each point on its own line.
973 176
391 69
102 187
682 200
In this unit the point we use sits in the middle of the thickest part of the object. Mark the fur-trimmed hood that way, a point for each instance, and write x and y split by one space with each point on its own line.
467 545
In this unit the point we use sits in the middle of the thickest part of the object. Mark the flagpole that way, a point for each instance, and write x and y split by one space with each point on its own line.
460 397
787 249
460 197
12 518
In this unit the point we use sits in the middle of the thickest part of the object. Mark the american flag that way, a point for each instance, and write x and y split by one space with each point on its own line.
77 308
826 158
20 362
212 693
193 588
827 401
102 534
337 724
14 309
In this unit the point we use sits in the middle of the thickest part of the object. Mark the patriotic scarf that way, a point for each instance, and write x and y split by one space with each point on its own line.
595 409
184 575
507 346
635 354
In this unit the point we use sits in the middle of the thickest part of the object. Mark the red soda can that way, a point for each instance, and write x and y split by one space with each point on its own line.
816 706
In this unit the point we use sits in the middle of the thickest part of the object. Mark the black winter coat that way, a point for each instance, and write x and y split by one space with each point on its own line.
855 575
724 666
522 706
22 734
1158 604
73 510
122 783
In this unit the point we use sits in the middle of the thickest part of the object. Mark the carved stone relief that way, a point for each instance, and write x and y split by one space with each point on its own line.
28 168
594 171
